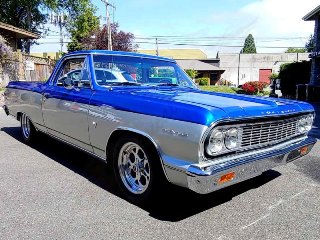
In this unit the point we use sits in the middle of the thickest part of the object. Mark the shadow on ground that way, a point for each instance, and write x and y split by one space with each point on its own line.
176 203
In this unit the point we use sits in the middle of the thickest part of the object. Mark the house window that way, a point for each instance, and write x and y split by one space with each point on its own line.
200 75
213 76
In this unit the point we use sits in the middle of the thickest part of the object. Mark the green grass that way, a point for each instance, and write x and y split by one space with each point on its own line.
224 89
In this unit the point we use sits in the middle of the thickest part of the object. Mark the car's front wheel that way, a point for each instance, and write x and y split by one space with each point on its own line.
27 129
137 169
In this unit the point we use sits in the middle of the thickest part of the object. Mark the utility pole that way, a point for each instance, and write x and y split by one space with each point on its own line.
157 51
59 19
239 70
109 32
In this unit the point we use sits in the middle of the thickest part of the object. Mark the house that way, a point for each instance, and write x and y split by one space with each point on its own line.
51 55
242 68
192 59
205 70
13 34
177 53
313 89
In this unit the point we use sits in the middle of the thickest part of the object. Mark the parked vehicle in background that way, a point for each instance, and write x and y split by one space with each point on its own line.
152 124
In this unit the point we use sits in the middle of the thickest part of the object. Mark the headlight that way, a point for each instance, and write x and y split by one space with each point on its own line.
305 124
309 122
231 138
215 143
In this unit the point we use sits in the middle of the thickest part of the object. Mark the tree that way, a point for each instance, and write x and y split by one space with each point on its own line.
121 41
295 50
310 44
31 15
83 25
249 45
24 14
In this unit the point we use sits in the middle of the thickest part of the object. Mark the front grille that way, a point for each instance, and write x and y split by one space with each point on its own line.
265 133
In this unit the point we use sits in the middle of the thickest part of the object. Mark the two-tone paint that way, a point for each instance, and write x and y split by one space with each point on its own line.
175 119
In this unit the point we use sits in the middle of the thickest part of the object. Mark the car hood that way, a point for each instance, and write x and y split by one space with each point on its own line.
200 106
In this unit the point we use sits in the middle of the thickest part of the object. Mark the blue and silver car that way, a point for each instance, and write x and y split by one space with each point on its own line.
155 126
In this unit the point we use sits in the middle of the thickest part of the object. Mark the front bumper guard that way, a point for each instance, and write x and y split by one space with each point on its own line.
205 179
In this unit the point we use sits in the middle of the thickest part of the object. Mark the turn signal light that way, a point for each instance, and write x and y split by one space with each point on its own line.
303 150
226 177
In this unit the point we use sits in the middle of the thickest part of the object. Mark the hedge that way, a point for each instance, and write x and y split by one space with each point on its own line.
292 74
202 81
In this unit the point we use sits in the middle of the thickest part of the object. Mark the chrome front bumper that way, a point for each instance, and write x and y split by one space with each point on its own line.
206 178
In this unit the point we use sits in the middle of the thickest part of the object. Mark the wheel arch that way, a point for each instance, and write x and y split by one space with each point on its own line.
119 132
19 114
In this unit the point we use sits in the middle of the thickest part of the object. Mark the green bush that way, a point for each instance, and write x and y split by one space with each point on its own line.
202 81
292 74
192 73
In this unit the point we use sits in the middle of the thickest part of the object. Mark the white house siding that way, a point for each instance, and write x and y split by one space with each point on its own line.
250 64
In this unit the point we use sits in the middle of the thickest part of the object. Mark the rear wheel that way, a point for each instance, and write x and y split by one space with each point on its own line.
137 169
27 129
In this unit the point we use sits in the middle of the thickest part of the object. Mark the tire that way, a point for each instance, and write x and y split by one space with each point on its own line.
28 131
137 169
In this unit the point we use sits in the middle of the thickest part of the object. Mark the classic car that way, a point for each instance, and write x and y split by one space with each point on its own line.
153 132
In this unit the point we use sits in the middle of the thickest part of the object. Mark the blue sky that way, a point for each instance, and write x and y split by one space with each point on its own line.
222 23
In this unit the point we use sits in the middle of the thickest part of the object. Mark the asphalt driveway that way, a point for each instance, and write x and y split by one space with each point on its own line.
52 191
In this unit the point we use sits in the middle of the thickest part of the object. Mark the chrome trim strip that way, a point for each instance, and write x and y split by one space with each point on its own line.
141 57
73 145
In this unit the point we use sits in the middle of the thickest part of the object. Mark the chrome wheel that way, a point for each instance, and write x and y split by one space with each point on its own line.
26 126
134 168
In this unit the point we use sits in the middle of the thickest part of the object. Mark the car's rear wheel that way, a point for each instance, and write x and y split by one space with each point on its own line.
137 169
27 129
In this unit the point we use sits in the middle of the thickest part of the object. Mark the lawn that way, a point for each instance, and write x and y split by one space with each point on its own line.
224 89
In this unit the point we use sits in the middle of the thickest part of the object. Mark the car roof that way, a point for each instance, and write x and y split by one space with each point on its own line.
118 53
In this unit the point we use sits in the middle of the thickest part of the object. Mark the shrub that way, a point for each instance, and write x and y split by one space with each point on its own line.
292 74
202 81
254 87
192 73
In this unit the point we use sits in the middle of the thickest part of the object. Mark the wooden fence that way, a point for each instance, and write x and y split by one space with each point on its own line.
25 68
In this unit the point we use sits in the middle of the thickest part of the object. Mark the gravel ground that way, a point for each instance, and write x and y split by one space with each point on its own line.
52 191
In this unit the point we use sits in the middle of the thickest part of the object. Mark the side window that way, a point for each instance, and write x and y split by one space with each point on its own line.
74 73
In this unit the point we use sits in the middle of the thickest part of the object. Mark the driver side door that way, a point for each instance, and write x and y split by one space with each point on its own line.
66 103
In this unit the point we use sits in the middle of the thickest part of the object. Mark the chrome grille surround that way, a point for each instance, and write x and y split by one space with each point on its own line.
262 133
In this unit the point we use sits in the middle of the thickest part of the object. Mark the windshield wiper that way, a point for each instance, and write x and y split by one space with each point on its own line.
168 84
124 84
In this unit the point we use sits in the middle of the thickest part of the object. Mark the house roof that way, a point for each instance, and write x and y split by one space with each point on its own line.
197 65
312 15
177 53
18 32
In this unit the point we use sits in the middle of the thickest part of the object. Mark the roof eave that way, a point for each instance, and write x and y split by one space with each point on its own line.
311 15
20 33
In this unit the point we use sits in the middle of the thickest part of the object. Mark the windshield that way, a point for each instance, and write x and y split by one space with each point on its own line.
110 70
